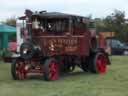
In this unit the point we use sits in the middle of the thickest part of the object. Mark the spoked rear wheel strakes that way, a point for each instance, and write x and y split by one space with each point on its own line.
51 70
18 69
99 63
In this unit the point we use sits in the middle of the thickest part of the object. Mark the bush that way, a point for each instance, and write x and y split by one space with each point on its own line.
1 54
4 54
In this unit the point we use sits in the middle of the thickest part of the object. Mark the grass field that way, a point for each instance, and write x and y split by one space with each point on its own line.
113 83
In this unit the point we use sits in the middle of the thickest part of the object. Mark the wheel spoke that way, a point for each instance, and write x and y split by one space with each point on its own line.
20 69
50 73
52 70
101 63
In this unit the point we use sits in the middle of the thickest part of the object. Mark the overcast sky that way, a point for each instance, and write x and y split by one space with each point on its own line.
96 8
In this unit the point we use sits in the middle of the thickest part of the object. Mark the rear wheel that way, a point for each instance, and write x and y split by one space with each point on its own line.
98 63
18 70
51 70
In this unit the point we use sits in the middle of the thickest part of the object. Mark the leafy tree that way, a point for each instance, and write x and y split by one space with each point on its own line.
100 26
115 22
11 21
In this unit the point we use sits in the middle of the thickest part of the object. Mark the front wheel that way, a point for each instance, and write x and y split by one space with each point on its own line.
51 70
98 63
18 69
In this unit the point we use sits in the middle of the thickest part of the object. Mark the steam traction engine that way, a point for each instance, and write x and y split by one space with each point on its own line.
56 42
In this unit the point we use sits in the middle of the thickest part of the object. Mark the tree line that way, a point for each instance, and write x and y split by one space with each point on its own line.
115 22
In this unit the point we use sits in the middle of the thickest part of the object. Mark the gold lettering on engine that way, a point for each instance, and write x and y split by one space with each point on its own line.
66 44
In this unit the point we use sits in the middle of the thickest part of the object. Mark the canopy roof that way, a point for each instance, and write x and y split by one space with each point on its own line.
7 28
54 15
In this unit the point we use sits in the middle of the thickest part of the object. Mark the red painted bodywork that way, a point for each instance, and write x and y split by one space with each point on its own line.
63 44
101 41
75 41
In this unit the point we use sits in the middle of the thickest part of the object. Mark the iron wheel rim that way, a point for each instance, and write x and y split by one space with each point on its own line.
101 63
20 70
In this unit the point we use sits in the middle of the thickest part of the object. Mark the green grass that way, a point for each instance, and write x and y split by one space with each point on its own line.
113 83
